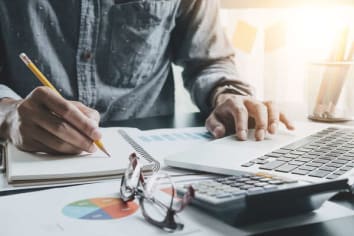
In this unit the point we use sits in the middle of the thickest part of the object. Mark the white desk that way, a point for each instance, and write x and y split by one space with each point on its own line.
39 213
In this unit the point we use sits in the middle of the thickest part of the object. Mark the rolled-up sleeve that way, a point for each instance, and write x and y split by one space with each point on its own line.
201 47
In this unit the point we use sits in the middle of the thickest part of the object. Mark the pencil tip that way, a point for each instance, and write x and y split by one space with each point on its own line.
105 151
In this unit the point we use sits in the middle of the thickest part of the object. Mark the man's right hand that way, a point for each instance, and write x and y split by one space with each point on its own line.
46 122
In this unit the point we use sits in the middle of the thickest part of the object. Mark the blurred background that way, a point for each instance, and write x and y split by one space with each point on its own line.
275 40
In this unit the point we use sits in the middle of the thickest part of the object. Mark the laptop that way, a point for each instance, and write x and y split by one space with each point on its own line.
312 153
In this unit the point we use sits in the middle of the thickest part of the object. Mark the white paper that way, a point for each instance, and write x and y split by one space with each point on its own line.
40 213
160 143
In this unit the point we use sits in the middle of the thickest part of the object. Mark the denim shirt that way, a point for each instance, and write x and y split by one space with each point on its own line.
116 55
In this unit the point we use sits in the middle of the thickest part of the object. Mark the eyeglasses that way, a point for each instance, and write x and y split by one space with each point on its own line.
158 208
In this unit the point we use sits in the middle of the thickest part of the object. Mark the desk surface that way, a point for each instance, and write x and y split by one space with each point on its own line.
342 226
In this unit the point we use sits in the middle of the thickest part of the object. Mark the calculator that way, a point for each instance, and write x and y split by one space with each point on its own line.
249 198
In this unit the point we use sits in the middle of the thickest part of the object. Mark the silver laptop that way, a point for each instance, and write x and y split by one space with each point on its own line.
312 153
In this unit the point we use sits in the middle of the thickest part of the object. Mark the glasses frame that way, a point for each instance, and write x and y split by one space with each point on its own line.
137 190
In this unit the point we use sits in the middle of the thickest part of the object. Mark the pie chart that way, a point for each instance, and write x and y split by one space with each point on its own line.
100 209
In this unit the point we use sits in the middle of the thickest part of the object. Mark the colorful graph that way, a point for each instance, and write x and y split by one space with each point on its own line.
100 209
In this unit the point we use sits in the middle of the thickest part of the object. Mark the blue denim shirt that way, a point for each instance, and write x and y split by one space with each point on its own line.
116 55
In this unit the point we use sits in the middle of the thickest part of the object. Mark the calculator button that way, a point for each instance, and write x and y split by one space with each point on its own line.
228 182
220 179
256 177
247 175
211 194
238 192
243 179
264 179
223 195
255 190
260 184
270 187
246 187
236 184
233 178
277 182
290 181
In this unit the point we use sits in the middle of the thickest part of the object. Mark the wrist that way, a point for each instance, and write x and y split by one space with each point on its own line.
223 89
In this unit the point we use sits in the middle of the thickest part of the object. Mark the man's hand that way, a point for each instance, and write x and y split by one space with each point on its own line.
232 113
46 122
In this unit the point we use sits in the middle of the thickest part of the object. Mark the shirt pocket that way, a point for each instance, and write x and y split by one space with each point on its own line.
137 30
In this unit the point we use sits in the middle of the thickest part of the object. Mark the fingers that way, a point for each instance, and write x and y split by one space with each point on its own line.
229 117
259 112
215 127
232 113
59 125
273 117
89 112
286 122
66 110
54 143
240 117
54 126
44 141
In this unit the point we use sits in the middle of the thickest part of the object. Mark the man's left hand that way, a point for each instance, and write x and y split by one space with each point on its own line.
232 112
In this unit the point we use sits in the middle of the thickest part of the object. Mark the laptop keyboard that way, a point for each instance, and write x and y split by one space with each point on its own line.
327 154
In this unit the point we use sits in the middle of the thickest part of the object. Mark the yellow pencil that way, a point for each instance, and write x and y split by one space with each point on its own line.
45 82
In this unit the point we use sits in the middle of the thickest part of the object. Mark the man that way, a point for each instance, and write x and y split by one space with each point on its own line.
114 57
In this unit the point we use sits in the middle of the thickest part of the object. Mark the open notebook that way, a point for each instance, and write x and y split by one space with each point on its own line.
26 169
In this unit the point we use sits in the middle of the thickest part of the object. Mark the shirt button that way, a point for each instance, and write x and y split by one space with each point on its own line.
86 56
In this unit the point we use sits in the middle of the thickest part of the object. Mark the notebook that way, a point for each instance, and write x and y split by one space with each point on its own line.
26 169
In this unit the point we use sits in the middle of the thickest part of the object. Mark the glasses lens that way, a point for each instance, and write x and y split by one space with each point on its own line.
154 210
159 215
160 202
